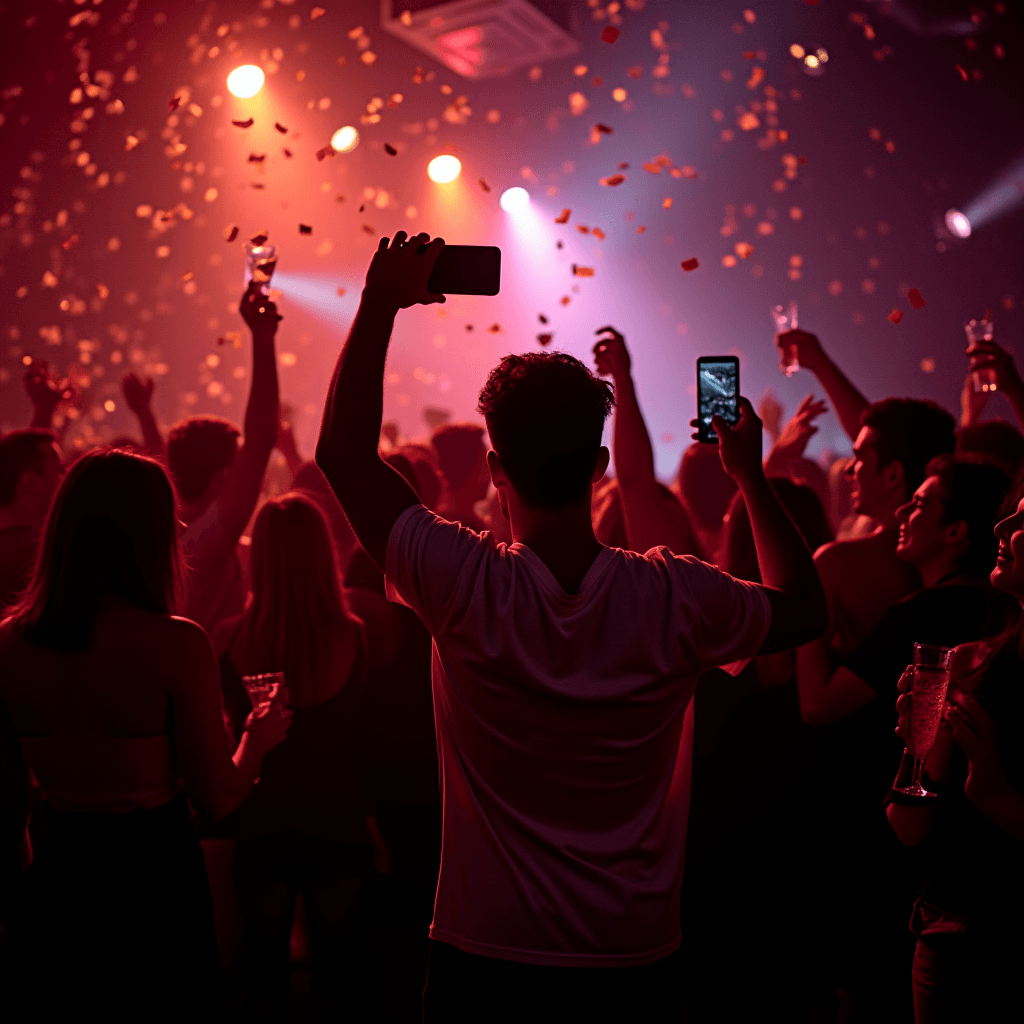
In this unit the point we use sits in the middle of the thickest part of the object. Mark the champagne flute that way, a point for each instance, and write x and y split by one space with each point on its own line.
260 261
931 680
984 377
785 319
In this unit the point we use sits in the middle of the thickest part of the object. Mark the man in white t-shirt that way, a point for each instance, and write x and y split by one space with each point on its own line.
562 670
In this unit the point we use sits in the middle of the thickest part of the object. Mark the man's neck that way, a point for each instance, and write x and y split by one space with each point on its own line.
943 568
563 540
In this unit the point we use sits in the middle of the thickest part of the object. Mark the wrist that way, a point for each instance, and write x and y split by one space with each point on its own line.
750 478
379 299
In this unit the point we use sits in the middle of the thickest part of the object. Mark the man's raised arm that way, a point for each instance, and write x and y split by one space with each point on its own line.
799 611
371 493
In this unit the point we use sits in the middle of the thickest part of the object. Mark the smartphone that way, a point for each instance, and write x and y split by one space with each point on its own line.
718 392
467 270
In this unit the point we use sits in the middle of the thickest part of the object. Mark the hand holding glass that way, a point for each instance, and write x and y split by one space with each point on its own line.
260 261
931 680
264 688
984 377
786 320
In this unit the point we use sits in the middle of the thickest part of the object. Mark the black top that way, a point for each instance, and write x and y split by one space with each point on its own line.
975 867
948 615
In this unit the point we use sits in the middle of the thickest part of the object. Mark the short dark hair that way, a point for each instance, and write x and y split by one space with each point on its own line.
912 432
459 449
994 441
545 413
196 449
972 492
21 451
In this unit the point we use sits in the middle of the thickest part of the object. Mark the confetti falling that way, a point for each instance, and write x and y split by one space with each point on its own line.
690 264
916 299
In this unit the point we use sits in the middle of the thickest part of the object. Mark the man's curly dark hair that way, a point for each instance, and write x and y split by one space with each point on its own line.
545 413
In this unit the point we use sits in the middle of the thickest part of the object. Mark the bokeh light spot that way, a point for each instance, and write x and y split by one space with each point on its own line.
245 81
444 169
344 140
515 199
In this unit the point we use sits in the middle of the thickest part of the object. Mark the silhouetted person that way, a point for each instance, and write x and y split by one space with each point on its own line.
306 829
218 482
30 471
113 702
970 901
562 671
462 458
705 490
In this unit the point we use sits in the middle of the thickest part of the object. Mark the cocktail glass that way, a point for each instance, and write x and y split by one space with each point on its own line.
931 680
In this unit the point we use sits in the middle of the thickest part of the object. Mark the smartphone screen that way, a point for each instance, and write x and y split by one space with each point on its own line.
466 270
718 389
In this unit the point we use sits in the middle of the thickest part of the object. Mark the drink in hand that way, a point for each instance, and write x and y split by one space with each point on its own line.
263 688
984 377
930 685
785 319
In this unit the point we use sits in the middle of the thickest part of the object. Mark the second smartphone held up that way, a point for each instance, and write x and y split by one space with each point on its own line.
718 391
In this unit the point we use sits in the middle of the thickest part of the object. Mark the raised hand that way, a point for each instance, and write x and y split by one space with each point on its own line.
611 355
972 403
45 390
400 269
259 312
739 445
770 410
138 393
268 725
989 355
807 345
797 432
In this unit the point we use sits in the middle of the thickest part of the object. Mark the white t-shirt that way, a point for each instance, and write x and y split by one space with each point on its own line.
564 763
216 584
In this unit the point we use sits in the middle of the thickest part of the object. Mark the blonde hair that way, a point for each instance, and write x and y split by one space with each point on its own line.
296 621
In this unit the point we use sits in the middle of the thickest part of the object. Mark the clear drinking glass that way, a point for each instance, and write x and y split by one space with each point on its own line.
260 261
931 680
785 319
263 688
981 330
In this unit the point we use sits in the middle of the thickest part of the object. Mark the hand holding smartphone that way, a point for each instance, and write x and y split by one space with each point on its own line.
718 389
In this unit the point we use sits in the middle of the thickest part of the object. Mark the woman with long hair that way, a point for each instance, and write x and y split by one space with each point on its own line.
306 829
112 702
971 898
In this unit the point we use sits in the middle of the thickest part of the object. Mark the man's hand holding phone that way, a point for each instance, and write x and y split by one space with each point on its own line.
400 269
739 444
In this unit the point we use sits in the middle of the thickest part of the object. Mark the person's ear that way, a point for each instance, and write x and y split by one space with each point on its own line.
603 458
496 469
893 475
955 533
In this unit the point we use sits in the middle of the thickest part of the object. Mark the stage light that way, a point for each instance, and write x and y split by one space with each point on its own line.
444 169
958 224
246 81
344 140
513 200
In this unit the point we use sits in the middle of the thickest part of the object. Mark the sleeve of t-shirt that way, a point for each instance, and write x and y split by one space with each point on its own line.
426 557
727 618
886 651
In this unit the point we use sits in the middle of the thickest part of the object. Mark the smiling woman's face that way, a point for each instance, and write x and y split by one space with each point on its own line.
1008 575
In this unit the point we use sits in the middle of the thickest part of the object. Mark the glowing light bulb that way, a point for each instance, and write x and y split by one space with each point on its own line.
246 81
344 140
513 200
444 169
958 224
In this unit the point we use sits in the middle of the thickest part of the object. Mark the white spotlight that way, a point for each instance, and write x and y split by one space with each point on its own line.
344 140
444 168
515 199
246 81
958 224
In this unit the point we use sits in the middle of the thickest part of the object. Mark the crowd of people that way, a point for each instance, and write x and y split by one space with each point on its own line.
544 741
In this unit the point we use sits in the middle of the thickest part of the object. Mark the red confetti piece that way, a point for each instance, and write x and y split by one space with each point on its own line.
369 230
542 318
896 316
222 341
288 152
483 184
231 234
545 339
689 265
494 328
603 129
258 184
615 179
173 103
70 243
325 151
257 158
248 123
305 229
609 34
963 74
623 167
260 238
280 127
390 150
916 299
563 217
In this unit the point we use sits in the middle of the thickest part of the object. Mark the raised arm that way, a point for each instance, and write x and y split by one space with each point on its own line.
847 401
138 394
799 612
647 521
371 493
989 355
45 391
216 781
242 488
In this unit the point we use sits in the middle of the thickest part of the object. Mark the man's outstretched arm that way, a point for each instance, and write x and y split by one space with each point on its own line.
371 493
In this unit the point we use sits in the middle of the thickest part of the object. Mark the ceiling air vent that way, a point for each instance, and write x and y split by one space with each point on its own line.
483 38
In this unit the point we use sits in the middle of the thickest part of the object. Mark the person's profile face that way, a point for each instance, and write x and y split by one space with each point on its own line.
868 485
1008 575
921 528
